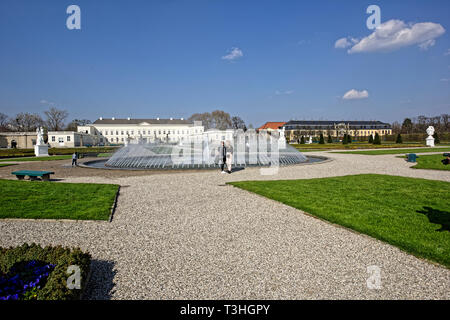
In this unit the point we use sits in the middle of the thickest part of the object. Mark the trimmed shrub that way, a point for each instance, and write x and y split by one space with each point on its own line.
370 139
436 138
302 140
399 139
321 139
330 140
377 139
344 139
349 138
56 260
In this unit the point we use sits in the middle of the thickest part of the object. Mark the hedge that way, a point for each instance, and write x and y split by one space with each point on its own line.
59 258
10 153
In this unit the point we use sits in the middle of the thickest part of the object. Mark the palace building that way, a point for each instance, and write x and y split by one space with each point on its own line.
120 131
295 128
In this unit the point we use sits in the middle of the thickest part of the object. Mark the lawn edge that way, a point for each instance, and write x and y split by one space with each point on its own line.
437 264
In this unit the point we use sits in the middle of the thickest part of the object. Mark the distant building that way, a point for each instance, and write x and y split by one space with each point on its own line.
295 129
20 140
119 131
271 126
71 139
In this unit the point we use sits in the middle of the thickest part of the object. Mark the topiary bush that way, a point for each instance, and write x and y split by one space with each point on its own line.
302 140
436 138
31 272
330 140
321 139
377 139
345 140
370 139
399 139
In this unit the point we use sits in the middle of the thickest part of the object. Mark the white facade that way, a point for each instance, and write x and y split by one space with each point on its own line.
119 131
71 139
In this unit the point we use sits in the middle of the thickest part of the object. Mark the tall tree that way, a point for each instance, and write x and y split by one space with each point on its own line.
205 118
55 119
3 122
25 121
407 125
73 125
238 123
221 119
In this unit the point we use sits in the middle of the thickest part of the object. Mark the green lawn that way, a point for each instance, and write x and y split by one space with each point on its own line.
52 200
352 146
431 162
50 158
381 152
412 214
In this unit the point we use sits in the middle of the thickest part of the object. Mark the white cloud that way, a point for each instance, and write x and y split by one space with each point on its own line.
342 43
234 54
444 79
427 44
447 53
355 94
286 92
345 43
395 34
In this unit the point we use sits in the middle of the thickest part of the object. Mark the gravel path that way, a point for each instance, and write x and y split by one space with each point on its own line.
190 236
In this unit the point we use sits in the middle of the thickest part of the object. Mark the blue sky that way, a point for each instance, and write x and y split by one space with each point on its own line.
165 58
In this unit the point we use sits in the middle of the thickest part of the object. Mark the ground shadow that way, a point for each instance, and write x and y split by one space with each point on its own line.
438 217
101 281
236 169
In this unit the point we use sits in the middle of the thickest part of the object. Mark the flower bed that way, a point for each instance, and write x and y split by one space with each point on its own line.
30 272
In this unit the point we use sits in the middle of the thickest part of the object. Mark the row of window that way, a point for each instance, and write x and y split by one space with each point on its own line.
60 139
144 132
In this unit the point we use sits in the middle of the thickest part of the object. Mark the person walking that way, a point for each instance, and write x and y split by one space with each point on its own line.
74 159
229 153
222 156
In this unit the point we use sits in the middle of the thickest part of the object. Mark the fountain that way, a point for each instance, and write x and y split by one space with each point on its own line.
201 152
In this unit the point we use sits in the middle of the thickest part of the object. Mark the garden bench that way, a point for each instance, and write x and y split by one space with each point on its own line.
45 175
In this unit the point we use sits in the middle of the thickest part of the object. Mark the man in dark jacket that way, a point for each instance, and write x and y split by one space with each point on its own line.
222 156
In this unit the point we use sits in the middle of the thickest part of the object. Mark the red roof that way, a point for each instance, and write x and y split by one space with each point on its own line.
272 125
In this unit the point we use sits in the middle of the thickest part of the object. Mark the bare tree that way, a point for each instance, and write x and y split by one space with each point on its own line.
75 123
55 119
238 123
205 118
221 119
217 119
396 127
3 122
25 121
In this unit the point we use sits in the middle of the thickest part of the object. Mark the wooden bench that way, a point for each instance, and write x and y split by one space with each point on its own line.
45 175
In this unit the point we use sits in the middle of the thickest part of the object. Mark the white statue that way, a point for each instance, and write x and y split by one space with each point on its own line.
281 139
430 139
40 149
40 136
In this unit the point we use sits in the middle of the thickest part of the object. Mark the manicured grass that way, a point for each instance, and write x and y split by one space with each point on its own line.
412 214
50 158
352 146
381 152
431 162
52 200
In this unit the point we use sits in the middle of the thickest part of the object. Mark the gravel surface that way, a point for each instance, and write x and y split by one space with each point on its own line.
190 236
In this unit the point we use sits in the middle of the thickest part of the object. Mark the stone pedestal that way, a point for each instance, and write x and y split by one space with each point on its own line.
430 141
41 151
